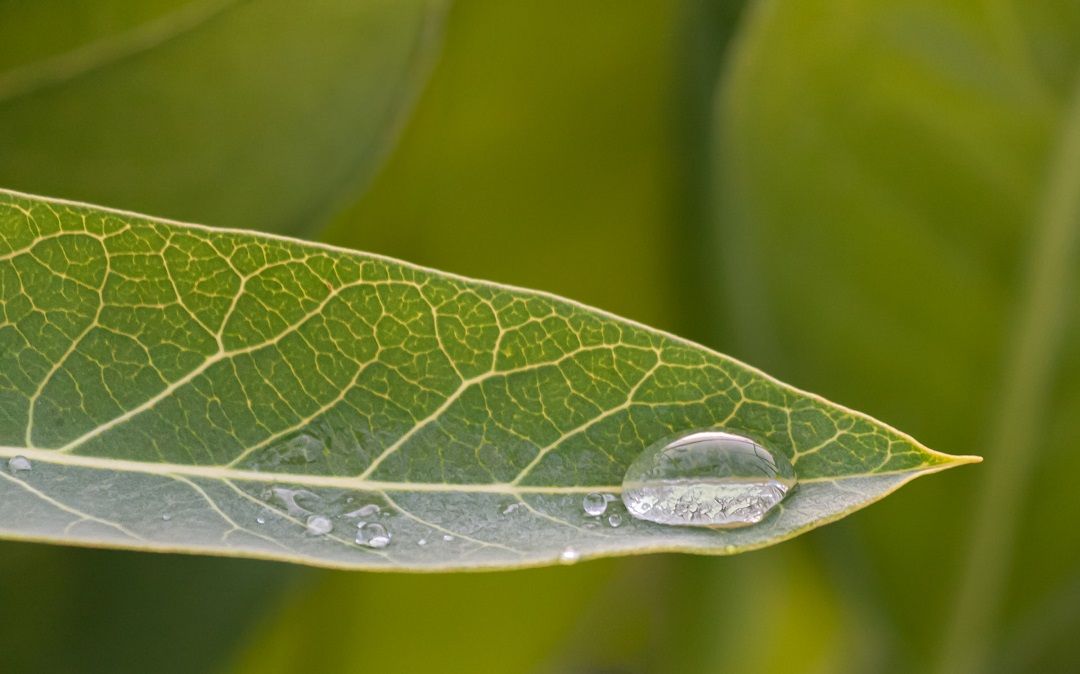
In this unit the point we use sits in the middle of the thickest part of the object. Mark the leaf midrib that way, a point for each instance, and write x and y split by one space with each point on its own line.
227 473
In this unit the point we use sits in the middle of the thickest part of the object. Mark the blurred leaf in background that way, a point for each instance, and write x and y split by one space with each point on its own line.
239 113
898 209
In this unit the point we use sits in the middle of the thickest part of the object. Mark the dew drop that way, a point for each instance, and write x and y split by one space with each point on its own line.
594 504
292 499
261 519
373 535
706 479
166 517
422 541
370 510
300 449
569 556
318 525
511 508
447 537
19 464
615 520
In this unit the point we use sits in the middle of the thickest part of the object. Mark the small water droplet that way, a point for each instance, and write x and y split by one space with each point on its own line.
373 535
569 556
293 499
261 519
300 449
19 464
422 541
369 510
166 517
706 479
615 520
594 504
511 508
318 525
447 537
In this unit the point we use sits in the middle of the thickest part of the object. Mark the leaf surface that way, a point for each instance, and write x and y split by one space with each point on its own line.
179 388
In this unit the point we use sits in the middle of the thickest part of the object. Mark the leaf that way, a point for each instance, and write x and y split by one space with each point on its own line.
173 385
160 105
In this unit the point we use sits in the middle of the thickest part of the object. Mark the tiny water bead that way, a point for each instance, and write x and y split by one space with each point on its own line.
594 504
615 520
293 500
318 525
166 517
19 464
370 510
569 556
706 479
372 534
447 537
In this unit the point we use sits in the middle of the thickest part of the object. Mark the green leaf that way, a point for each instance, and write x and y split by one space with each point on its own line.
160 105
173 385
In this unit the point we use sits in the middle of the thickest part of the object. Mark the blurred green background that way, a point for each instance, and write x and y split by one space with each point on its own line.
876 200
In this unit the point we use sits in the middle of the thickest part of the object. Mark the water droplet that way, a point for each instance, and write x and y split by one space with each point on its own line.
166 517
298 450
615 520
318 525
292 499
422 541
569 556
261 519
369 510
373 535
594 504
511 508
447 537
19 464
706 479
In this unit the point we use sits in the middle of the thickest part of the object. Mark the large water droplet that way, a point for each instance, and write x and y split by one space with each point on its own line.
594 504
19 464
318 525
706 479
373 535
